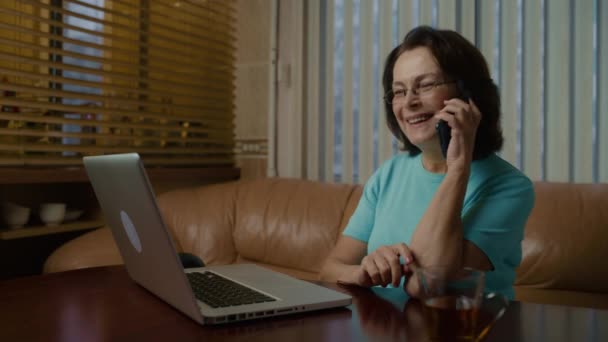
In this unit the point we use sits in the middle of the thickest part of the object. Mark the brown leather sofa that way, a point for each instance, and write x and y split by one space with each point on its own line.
291 225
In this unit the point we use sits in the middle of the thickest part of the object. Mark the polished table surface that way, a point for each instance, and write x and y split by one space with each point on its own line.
103 304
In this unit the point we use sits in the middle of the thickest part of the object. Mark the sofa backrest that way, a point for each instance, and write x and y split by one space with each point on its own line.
292 221
284 222
201 221
295 224
564 245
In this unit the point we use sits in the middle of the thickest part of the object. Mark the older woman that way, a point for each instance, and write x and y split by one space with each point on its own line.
465 209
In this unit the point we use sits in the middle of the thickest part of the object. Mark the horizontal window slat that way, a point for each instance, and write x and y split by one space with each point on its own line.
132 29
212 115
219 98
76 109
219 9
194 22
202 65
212 53
101 136
112 149
216 55
118 124
209 85
149 161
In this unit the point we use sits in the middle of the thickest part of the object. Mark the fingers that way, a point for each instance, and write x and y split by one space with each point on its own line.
358 277
459 116
394 272
408 259
369 266
469 106
455 104
383 266
384 263
404 251
458 107
476 112
362 278
452 113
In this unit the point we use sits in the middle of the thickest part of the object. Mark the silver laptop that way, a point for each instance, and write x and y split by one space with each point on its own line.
209 295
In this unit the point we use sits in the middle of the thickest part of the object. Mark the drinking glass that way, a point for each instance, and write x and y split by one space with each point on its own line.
455 305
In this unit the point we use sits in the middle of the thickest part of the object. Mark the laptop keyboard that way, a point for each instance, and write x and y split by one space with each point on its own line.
219 292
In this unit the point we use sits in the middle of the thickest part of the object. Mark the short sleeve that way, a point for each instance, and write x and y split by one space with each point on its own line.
495 221
362 221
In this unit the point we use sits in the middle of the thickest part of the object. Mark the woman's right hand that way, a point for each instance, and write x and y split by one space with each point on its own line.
381 267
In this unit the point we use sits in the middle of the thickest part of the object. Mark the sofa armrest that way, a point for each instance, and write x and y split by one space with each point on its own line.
96 248
199 220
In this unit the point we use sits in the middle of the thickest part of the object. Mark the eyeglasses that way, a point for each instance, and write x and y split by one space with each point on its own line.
398 95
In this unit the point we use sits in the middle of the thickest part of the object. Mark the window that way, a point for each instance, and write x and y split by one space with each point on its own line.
543 55
83 77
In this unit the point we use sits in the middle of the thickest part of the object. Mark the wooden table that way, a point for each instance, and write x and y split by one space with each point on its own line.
103 304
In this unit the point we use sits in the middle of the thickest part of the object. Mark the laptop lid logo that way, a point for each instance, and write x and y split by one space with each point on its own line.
131 232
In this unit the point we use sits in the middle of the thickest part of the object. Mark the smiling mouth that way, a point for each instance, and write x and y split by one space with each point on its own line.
419 118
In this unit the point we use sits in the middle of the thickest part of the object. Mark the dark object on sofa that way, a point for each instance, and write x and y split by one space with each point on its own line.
190 260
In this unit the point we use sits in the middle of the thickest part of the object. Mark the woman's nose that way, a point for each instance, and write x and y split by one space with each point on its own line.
411 100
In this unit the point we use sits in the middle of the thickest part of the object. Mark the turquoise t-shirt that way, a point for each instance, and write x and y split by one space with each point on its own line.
497 203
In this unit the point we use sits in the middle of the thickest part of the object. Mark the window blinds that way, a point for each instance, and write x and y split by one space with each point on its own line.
545 56
85 77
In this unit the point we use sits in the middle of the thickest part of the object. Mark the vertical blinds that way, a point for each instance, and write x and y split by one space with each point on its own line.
84 77
544 55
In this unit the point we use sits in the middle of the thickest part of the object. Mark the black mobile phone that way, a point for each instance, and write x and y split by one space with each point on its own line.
443 129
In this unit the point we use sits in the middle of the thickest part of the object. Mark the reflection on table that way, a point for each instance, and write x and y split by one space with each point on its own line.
104 304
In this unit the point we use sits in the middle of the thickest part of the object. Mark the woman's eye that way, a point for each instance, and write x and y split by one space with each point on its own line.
399 92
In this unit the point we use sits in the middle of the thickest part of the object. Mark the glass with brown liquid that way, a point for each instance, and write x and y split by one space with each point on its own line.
451 302
451 317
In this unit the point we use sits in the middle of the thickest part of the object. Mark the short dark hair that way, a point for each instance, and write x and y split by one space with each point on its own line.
458 60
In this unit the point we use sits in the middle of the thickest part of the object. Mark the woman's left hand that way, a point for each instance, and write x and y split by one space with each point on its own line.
463 118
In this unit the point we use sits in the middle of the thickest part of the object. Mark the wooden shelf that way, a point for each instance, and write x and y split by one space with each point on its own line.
78 175
45 230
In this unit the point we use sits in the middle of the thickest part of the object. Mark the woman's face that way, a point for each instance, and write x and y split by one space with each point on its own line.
415 113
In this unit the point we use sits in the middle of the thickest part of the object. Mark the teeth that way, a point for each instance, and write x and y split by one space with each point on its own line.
419 119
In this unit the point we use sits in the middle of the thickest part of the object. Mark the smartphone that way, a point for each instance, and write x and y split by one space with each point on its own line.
443 129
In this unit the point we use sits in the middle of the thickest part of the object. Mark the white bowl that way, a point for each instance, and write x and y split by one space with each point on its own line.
72 214
52 213
15 216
